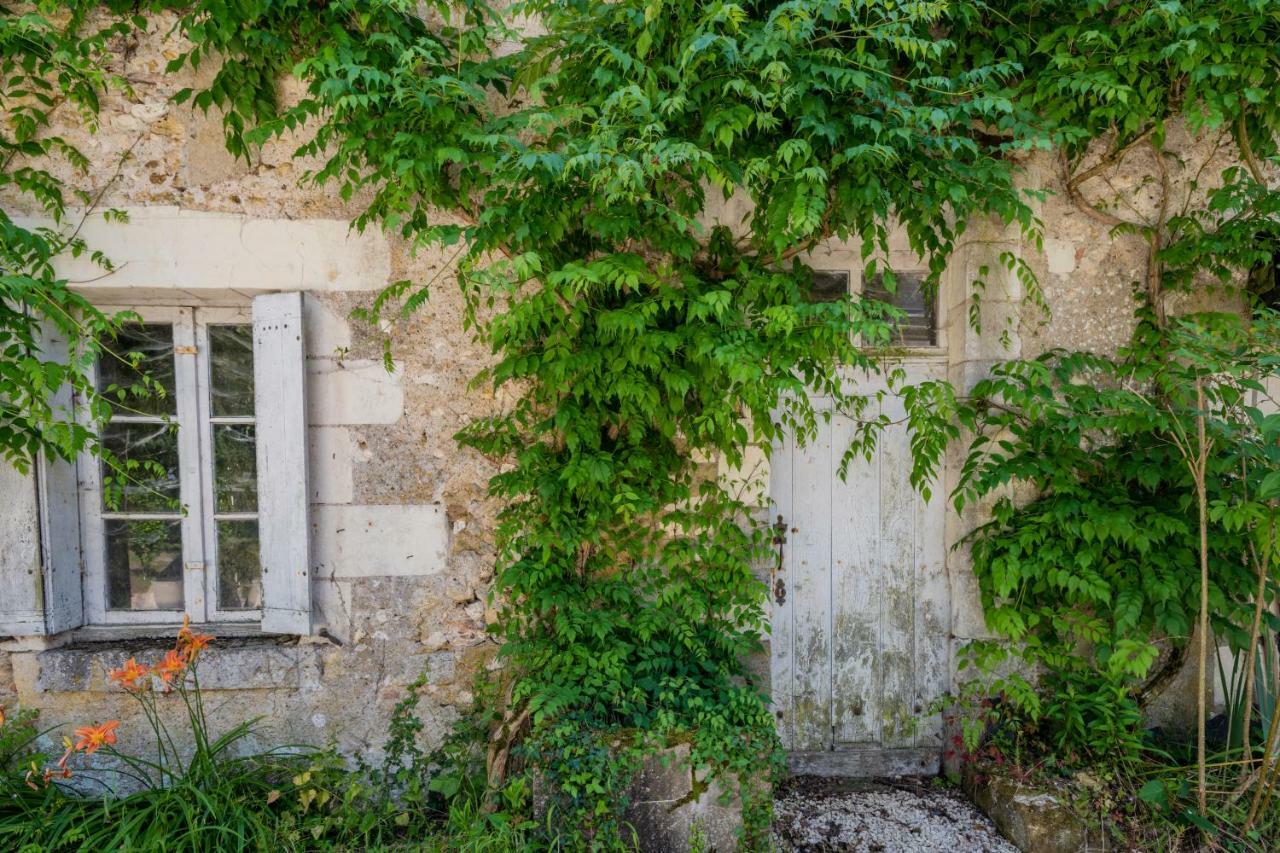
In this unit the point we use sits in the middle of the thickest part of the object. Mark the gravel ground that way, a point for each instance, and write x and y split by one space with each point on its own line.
889 816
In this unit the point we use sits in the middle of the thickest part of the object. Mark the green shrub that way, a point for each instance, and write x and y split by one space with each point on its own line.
1084 580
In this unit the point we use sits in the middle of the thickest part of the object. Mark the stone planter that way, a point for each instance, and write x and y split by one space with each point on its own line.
669 816
1035 818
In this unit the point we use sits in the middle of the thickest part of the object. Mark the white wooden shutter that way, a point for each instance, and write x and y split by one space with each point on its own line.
279 376
41 587
60 545
21 584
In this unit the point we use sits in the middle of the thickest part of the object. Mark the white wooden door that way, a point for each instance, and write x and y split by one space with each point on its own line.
861 614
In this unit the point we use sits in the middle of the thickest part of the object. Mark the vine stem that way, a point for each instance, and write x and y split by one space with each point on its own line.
1246 150
1201 500
1261 562
1197 463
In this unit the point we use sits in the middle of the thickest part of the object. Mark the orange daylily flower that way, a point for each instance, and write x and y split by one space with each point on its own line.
1 715
196 642
93 737
172 664
189 642
129 675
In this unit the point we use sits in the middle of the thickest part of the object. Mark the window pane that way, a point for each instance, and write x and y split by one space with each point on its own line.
144 565
829 286
231 370
917 328
235 468
140 448
151 346
239 575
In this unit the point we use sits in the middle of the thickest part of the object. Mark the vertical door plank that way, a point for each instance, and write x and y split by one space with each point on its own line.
897 575
855 531
809 586
933 603
782 636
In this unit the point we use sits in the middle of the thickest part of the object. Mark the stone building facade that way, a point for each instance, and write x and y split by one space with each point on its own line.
397 523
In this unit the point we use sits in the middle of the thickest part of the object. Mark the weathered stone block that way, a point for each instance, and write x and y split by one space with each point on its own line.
358 541
668 813
1037 820
171 247
328 333
352 392
330 466
244 666
206 159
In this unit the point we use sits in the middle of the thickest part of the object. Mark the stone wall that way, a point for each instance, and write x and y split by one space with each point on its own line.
401 525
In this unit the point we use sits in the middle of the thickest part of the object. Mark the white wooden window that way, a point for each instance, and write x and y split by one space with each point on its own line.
182 540
215 526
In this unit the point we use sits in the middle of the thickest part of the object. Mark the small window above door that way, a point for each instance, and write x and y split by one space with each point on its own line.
919 328
829 285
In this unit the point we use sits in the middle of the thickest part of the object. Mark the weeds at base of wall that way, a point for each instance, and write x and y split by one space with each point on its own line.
220 796
1156 477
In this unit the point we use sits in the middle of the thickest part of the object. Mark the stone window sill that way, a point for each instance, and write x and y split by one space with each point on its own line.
244 659
165 633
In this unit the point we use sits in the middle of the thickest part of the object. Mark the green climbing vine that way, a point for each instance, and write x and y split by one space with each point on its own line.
52 64
642 331
580 173
1134 496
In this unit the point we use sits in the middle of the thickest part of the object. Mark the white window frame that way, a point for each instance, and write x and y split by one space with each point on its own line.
195 465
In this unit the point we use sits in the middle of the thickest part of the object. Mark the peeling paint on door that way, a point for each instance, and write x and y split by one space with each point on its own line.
860 641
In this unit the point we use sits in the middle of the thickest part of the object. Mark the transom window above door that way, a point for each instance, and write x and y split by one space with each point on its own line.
916 328
177 533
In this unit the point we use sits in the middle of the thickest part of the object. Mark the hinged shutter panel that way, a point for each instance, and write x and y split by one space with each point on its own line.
21 586
60 545
41 588
59 482
279 376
